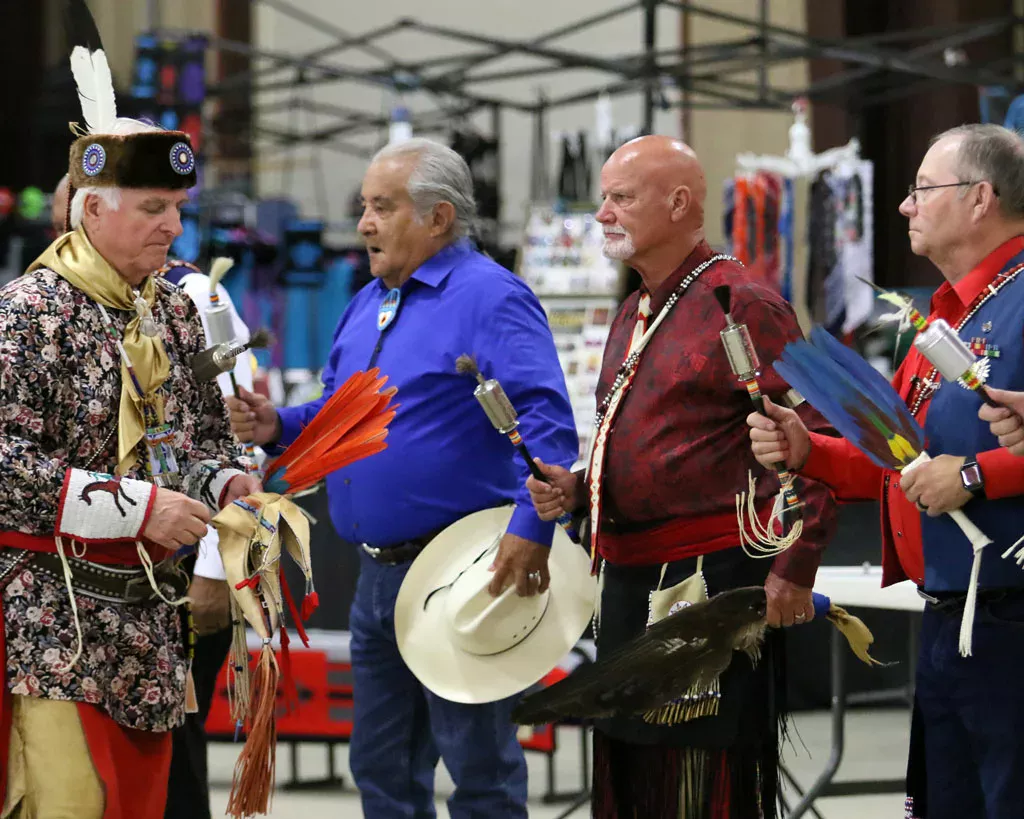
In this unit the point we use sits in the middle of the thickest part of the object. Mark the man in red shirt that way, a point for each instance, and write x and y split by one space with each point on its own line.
670 456
966 214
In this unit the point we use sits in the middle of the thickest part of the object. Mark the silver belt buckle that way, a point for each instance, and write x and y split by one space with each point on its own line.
922 593
372 551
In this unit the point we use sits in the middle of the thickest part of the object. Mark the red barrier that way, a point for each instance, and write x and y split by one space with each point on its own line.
324 710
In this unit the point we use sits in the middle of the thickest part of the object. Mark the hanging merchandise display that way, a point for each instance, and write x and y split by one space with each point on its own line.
561 259
852 303
743 216
482 156
760 224
841 236
786 217
302 278
562 254
728 215
169 82
752 209
574 169
260 293
821 241
304 254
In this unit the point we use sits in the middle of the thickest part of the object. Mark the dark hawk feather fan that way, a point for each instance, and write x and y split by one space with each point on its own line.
693 645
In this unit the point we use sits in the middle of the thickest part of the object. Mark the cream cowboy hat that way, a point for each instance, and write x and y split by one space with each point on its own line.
469 647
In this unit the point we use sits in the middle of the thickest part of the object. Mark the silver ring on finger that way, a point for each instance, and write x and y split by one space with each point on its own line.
801 616
534 576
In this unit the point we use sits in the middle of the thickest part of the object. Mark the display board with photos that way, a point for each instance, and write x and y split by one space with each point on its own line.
562 262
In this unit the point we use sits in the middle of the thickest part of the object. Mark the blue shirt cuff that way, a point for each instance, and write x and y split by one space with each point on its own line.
291 425
526 524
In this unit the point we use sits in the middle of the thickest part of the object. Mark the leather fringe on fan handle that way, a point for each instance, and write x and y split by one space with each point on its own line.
253 781
759 539
238 666
979 540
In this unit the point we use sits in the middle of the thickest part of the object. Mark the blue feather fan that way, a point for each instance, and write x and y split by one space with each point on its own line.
854 397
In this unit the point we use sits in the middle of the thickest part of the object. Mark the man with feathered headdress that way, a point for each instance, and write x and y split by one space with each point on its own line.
113 458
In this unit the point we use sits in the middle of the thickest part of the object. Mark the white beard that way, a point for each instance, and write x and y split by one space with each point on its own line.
619 247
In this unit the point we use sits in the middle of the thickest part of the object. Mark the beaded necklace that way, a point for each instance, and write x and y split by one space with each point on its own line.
620 386
924 387
628 367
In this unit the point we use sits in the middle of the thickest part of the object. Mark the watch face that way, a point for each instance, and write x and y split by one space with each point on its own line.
971 476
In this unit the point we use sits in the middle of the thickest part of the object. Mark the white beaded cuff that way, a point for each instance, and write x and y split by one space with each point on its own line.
99 508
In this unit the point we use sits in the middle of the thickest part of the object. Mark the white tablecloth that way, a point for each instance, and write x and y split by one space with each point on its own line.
862 586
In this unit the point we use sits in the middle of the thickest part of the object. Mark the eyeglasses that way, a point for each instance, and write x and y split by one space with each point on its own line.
913 189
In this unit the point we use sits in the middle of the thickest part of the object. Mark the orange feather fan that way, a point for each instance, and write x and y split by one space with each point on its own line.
351 425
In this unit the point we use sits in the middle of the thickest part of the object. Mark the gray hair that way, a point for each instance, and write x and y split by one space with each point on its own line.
994 154
440 175
111 196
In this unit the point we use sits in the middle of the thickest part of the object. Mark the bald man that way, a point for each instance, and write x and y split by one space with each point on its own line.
59 206
670 457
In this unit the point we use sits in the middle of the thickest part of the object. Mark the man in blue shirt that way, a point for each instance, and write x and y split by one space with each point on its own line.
434 298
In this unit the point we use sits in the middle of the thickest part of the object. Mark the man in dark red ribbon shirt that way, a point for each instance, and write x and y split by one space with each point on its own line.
966 214
669 459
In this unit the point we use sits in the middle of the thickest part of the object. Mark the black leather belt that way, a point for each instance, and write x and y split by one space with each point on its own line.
954 601
111 584
400 552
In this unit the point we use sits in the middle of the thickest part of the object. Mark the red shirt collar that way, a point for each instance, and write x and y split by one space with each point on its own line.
971 286
700 254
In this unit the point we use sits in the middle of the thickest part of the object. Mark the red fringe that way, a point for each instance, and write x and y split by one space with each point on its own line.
251 582
632 781
291 693
635 780
310 603
295 612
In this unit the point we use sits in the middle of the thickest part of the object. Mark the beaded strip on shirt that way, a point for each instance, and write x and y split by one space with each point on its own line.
930 383
623 379
628 367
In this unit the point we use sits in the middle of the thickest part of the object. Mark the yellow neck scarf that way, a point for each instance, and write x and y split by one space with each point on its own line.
76 260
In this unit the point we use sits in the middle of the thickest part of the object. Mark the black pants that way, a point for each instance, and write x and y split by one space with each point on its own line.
714 767
188 788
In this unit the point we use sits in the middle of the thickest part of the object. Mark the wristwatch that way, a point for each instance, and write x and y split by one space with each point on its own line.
972 479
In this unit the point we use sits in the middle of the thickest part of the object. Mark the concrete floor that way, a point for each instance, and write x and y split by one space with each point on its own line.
876 746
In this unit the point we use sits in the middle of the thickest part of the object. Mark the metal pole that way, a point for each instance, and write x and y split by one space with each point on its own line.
838 668
496 134
540 190
650 64
762 71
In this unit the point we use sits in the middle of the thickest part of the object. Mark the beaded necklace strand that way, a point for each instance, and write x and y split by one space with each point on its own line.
628 367
930 383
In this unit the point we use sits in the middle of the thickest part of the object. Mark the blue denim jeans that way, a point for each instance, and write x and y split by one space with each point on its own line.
401 728
971 712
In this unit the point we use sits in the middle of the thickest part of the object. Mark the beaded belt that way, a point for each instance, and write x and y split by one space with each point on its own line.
110 584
